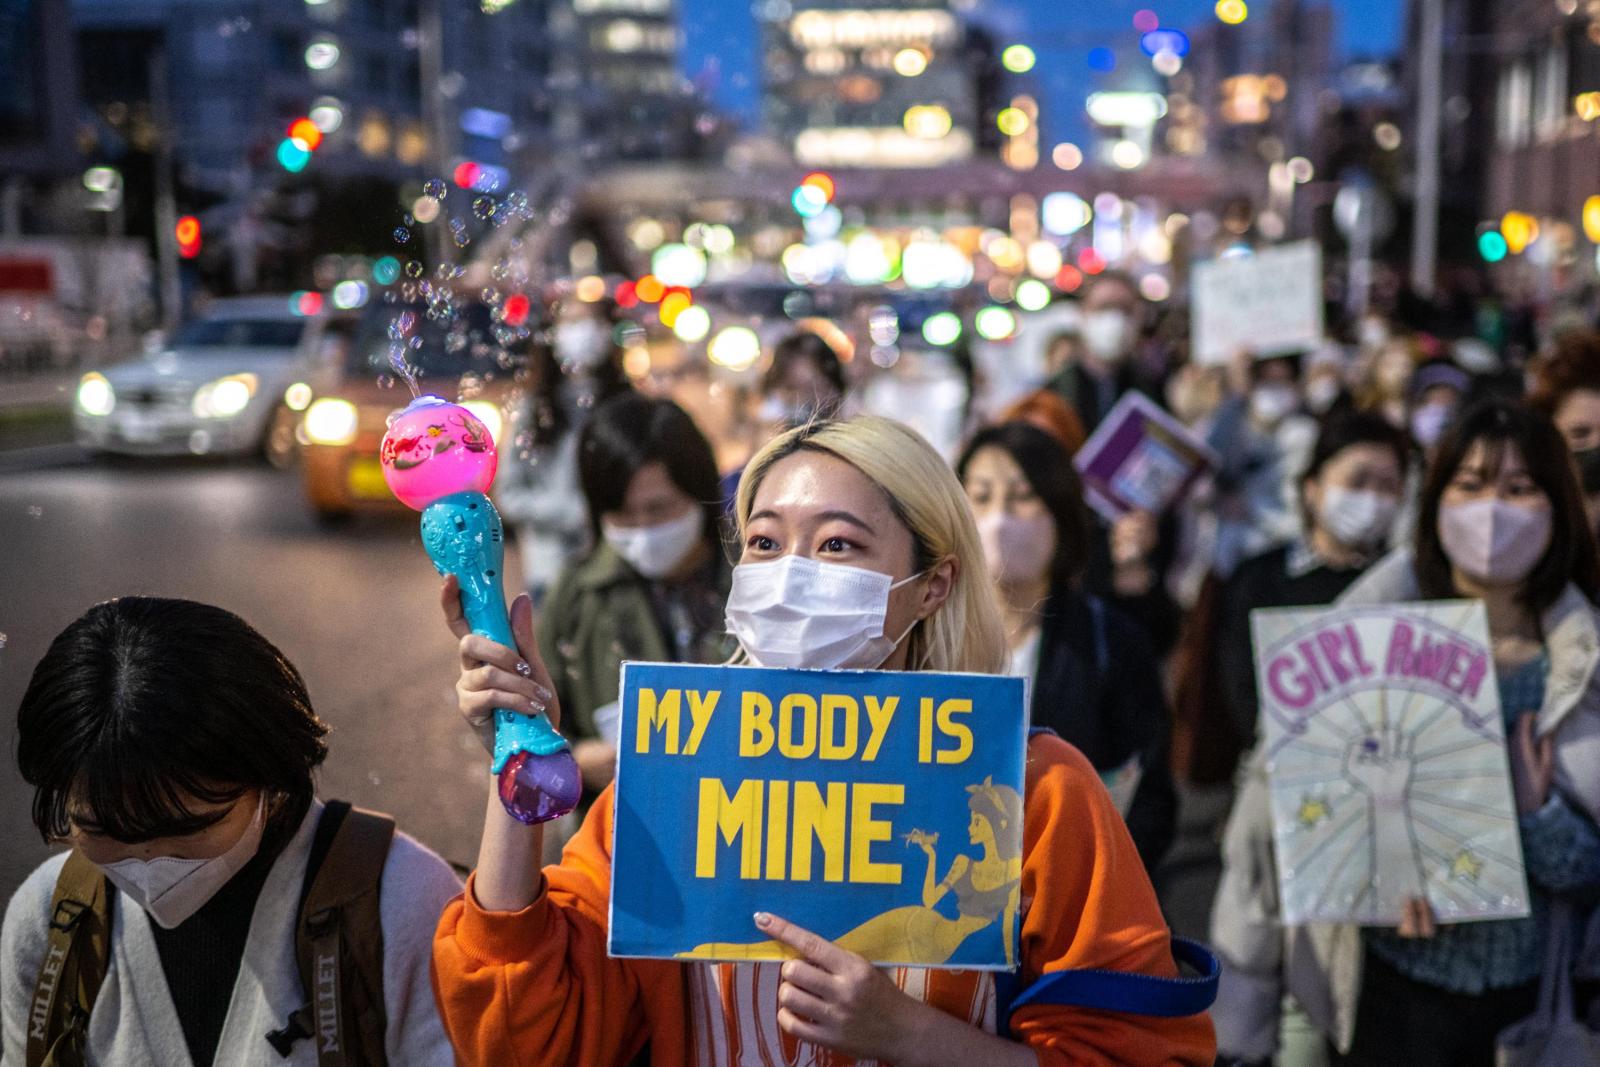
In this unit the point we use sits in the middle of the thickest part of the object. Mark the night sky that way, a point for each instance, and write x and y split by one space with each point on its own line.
720 49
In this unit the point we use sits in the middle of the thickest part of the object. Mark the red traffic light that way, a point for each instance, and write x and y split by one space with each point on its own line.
306 132
822 182
515 311
187 233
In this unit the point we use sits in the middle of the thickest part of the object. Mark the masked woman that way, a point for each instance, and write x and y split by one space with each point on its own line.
1093 672
861 513
654 584
173 747
1501 521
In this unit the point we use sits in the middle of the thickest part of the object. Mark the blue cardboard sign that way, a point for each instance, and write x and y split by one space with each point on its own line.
879 809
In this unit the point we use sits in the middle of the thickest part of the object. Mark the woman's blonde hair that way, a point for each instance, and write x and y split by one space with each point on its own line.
964 633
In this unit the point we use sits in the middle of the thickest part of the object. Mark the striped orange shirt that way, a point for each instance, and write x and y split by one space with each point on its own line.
536 986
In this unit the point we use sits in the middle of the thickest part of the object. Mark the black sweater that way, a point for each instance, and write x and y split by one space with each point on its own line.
200 956
1098 685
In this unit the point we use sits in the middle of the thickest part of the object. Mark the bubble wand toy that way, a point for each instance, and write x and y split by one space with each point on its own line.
440 459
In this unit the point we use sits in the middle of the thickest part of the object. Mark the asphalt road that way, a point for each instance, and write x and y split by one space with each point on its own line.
355 609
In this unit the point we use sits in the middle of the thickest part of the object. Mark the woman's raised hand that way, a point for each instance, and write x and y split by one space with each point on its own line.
494 676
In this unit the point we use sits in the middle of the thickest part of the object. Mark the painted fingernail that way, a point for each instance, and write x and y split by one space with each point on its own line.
763 920
524 670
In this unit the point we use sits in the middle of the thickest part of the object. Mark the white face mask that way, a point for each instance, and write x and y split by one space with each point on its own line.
1373 334
170 889
1017 549
1493 541
1428 423
1357 518
657 551
1106 335
778 410
798 612
1321 393
580 343
1271 404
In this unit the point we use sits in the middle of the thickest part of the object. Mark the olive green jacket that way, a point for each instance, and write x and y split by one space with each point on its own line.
602 612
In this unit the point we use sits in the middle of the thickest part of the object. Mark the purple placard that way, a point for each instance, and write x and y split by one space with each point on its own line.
1140 459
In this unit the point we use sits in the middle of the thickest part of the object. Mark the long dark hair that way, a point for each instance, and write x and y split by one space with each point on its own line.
1054 480
803 346
144 705
1500 424
631 431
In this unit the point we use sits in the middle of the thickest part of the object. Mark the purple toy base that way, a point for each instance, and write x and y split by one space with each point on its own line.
536 788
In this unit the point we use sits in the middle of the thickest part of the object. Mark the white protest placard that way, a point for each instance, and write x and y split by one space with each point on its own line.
1268 303
1386 763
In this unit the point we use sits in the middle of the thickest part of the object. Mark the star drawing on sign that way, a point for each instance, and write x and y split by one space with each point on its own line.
1466 866
1312 811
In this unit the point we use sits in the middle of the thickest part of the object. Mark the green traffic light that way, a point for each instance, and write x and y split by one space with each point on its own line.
292 155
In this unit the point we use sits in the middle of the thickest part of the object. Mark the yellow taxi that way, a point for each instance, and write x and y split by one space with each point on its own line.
348 410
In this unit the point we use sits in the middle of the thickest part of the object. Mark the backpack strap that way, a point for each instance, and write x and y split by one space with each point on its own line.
76 959
1120 991
339 940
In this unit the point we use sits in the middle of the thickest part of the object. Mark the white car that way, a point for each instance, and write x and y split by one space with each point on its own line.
217 387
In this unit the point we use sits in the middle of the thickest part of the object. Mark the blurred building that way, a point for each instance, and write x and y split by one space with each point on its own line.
1467 93
37 91
1257 88
1544 152
614 86
877 84
236 73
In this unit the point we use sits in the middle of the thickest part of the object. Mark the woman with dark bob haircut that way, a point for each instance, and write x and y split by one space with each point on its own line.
1501 521
1095 679
172 746
654 585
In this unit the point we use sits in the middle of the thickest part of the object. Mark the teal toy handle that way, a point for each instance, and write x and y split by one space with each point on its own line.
463 536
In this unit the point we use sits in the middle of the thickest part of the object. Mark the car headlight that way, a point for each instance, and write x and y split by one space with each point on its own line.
488 414
331 421
95 395
225 397
297 397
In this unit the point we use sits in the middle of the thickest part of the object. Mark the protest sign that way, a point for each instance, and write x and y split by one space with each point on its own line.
1139 459
879 809
1268 303
1386 761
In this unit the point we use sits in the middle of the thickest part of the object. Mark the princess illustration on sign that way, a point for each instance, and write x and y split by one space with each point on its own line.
986 889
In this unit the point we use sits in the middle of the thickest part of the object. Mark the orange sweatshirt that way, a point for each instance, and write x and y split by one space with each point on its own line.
535 987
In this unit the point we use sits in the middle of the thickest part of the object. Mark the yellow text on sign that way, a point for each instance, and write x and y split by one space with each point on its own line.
944 718
803 726
794 820
663 713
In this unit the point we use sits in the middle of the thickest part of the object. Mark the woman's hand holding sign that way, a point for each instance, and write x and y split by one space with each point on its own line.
834 998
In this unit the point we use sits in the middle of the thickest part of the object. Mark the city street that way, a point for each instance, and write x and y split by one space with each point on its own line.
354 609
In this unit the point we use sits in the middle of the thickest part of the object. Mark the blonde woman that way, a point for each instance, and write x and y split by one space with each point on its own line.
863 515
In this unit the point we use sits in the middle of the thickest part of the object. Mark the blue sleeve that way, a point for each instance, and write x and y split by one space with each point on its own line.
1561 847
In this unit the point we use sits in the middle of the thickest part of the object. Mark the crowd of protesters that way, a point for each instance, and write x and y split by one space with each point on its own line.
173 747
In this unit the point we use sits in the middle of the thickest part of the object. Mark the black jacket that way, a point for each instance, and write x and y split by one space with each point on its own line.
1098 685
